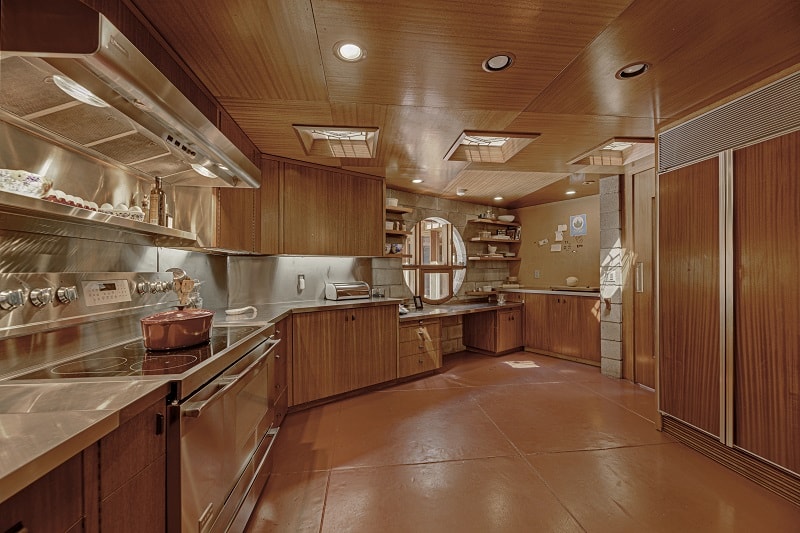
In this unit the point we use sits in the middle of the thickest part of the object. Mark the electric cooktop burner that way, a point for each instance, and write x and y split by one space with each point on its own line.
133 359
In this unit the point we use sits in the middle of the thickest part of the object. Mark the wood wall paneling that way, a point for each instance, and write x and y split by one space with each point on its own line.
237 211
689 286
767 300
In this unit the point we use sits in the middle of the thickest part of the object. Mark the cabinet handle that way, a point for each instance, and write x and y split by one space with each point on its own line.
639 277
354 317
159 423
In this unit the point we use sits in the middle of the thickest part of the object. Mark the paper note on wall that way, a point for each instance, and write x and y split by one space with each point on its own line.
559 236
555 247
562 227
543 242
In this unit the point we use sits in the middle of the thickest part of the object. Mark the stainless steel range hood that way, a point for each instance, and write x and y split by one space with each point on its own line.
149 127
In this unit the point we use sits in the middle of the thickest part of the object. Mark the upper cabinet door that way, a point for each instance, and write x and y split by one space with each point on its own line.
331 213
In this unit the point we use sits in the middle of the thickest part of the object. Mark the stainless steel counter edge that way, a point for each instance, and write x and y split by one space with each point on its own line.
587 294
44 425
436 311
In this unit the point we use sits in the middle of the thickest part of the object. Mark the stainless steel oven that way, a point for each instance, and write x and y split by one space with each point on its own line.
224 432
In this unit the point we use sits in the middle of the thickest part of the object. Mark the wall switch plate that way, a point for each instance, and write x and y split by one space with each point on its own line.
611 276
537 274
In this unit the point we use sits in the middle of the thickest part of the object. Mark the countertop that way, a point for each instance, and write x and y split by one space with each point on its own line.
42 425
588 292
455 309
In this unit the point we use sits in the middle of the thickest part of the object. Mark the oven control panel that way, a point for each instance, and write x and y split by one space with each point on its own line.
110 291
30 301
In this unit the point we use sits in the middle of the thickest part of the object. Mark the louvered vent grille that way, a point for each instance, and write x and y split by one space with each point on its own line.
769 111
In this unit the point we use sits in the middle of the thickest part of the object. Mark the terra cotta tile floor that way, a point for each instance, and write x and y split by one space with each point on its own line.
519 443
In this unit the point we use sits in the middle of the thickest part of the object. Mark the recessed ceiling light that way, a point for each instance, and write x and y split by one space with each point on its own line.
417 180
632 70
348 51
588 182
498 62
570 192
461 192
498 198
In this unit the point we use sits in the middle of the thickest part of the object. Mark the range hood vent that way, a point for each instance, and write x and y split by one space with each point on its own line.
149 126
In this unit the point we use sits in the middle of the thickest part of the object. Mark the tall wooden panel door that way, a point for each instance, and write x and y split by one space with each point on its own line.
644 197
689 285
767 300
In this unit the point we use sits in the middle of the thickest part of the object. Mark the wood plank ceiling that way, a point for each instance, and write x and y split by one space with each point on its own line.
270 63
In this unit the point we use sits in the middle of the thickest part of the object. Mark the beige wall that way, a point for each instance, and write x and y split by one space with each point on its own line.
582 260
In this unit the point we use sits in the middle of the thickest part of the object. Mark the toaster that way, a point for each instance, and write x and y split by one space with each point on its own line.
351 290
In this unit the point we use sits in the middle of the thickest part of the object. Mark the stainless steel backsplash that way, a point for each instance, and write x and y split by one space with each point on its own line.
264 280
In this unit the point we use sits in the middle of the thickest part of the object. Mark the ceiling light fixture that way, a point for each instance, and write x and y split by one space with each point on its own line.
348 51
416 180
498 198
570 192
78 91
461 192
632 70
498 62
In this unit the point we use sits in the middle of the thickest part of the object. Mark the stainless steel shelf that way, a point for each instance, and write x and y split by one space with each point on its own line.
11 203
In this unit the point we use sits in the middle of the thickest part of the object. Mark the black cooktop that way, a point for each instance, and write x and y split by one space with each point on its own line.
133 359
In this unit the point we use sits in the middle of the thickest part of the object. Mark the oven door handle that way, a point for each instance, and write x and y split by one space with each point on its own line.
195 411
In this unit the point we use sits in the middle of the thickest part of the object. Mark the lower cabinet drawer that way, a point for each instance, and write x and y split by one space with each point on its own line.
415 364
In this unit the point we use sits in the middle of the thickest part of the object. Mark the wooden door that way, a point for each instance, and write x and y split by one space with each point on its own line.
689 289
509 329
318 339
374 356
536 333
564 320
589 328
644 197
312 200
766 300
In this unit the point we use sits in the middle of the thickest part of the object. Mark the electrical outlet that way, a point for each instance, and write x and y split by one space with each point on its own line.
537 274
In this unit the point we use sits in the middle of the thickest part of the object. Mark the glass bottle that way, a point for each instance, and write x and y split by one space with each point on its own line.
158 205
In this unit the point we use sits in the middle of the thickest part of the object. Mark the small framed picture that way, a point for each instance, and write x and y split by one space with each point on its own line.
417 302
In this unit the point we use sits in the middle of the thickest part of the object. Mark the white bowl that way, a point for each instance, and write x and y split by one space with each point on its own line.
506 218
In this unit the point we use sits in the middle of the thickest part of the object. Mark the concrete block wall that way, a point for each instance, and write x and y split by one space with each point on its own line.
611 275
452 340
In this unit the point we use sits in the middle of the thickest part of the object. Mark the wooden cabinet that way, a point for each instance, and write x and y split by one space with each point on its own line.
331 213
54 503
689 315
132 463
249 219
766 341
563 325
420 347
342 350
280 375
494 332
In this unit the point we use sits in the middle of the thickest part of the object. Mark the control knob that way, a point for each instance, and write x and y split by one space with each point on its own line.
66 295
41 297
12 299
143 287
